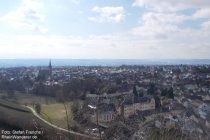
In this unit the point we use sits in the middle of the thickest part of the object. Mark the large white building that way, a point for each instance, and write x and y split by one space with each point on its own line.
132 107
106 113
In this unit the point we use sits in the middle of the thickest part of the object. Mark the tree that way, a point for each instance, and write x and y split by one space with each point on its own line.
67 118
39 89
118 130
164 92
157 102
151 89
100 89
75 107
141 94
59 96
135 91
171 93
38 108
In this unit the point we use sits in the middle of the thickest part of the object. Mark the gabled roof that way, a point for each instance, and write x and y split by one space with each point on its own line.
103 107
142 99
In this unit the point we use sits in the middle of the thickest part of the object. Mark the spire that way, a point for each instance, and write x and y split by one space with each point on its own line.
50 69
50 65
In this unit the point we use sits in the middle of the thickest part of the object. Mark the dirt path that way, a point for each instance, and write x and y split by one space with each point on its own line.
59 128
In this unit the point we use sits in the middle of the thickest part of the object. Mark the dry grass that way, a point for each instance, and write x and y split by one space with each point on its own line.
56 113
29 99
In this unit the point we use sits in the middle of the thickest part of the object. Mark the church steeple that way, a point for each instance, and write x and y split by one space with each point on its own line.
50 65
50 69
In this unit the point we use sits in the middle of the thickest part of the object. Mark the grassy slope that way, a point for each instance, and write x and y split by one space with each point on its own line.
12 113
23 98
51 110
56 113
10 105
25 120
165 134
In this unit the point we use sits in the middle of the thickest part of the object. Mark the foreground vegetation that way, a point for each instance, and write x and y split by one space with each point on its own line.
166 134
12 118
16 117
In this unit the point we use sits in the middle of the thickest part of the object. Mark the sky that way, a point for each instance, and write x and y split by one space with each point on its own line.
105 29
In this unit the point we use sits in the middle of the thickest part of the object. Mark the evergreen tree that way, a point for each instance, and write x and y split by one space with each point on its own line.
151 89
171 93
157 102
135 91
164 92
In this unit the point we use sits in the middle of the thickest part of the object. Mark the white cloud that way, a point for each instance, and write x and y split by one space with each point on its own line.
171 5
158 24
157 35
49 46
75 1
202 13
108 14
160 5
104 46
162 19
206 25
26 16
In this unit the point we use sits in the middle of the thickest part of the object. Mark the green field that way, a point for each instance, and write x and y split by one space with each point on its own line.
56 114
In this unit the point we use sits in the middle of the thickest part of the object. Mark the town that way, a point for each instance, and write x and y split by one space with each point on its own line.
121 102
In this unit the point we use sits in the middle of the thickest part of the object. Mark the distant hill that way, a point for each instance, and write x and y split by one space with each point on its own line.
99 62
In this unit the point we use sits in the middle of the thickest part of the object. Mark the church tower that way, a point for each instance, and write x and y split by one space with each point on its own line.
50 69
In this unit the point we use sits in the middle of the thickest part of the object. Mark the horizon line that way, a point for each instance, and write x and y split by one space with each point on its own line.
105 58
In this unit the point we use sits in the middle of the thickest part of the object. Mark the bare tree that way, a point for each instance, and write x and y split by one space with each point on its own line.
67 118
38 108
100 90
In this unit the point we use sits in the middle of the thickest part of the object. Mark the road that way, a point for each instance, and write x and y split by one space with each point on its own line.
59 128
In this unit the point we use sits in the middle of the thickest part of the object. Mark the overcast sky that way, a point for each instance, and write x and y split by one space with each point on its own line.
114 29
